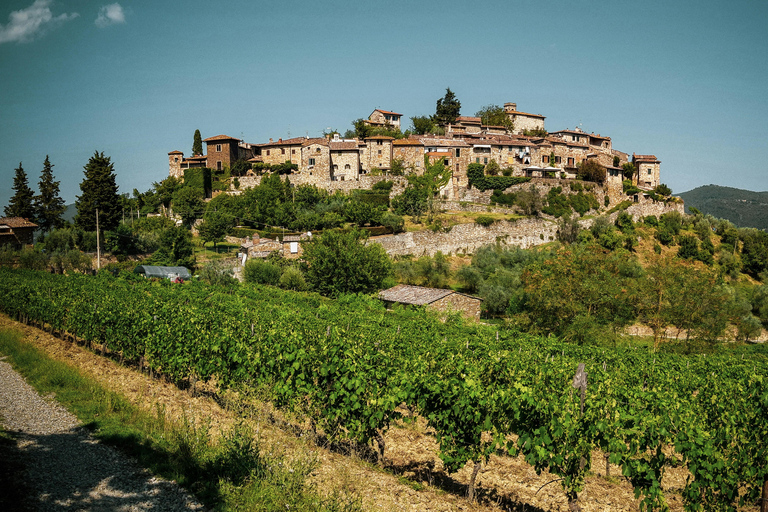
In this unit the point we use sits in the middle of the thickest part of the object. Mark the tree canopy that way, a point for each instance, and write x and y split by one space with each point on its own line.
21 204
99 191
341 263
447 109
49 207
494 115
197 144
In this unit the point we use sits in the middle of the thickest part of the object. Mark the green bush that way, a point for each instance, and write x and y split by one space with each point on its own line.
485 220
477 178
293 279
261 272
392 221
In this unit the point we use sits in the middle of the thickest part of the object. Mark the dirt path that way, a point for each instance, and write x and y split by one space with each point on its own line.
64 468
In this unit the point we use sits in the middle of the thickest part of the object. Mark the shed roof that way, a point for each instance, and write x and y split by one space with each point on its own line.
162 272
417 295
17 222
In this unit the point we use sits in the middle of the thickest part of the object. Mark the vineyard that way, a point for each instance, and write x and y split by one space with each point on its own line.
353 367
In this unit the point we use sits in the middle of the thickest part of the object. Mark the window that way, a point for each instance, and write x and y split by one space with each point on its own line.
477 160
317 150
175 159
335 167
557 159
347 167
311 162
458 152
379 151
294 247
218 165
378 142
282 151
570 162
485 160
293 151
544 159
649 171
267 152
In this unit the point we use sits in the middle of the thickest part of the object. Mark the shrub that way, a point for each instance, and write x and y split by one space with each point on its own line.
485 220
261 272
293 279
392 221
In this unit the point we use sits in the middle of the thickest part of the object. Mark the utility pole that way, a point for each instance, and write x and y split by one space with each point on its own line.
98 243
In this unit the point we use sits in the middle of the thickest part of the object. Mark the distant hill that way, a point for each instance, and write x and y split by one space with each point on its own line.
70 212
742 207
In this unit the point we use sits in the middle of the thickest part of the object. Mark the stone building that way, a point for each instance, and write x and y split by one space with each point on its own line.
221 151
435 299
281 151
16 232
377 153
345 159
384 118
647 174
523 120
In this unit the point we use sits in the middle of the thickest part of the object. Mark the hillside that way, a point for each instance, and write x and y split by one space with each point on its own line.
744 208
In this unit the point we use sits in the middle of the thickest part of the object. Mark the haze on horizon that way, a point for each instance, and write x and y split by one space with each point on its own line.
684 81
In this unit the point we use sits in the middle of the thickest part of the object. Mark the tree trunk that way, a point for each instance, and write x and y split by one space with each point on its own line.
764 501
380 442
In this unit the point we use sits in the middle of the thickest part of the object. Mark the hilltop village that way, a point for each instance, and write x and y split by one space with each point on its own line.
521 148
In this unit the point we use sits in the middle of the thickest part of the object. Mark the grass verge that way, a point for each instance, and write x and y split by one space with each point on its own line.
227 472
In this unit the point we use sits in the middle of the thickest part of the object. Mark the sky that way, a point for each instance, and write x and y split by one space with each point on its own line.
683 80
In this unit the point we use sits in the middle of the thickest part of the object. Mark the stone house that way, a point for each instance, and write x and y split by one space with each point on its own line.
315 165
16 232
523 120
345 159
377 153
257 247
292 245
384 118
647 173
281 151
435 299
221 151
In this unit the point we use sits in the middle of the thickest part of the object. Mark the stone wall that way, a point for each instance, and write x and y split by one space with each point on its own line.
222 158
467 238
469 307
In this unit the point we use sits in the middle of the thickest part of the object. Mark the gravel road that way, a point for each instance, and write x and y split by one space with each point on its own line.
66 469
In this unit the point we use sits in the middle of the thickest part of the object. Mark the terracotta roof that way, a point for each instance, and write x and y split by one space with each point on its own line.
387 112
407 142
515 112
439 153
468 119
645 158
176 152
296 141
317 140
341 146
379 137
196 157
431 141
17 222
295 238
417 295
219 137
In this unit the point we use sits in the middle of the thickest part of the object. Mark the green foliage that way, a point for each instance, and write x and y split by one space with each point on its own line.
447 109
625 223
49 207
672 221
628 170
535 132
568 230
99 190
393 222
293 279
591 170
258 271
494 115
484 220
197 144
422 125
477 178
199 179
121 241
218 273
629 188
529 200
340 263
22 201
188 204
499 197
663 190
240 168
214 227
175 248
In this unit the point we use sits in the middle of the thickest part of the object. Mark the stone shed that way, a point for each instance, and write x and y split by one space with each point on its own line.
433 298
16 232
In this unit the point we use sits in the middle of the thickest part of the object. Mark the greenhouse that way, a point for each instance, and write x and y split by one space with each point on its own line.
172 273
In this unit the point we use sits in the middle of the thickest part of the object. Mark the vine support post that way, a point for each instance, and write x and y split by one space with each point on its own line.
472 479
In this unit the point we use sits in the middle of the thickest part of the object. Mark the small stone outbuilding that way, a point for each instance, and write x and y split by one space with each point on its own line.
433 298
16 231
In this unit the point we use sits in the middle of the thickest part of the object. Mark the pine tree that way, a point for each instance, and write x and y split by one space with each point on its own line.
49 207
21 204
197 144
99 191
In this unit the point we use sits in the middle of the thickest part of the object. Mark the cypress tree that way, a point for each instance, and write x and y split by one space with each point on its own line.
21 204
99 190
197 144
49 207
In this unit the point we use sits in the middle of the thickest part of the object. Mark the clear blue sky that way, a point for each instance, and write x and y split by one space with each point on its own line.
684 80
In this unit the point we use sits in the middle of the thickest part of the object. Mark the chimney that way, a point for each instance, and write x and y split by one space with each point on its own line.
280 140
255 238
270 140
